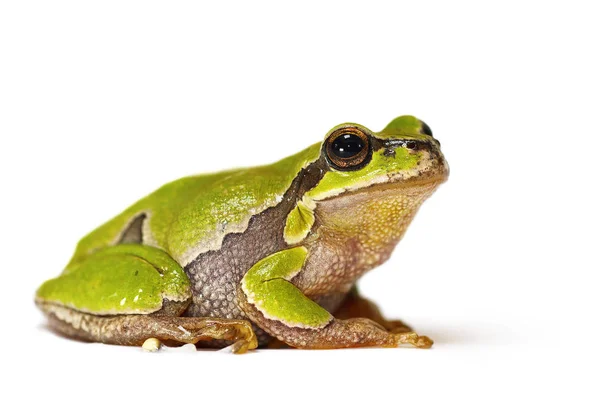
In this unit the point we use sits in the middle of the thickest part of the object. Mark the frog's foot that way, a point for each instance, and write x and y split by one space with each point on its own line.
356 306
149 330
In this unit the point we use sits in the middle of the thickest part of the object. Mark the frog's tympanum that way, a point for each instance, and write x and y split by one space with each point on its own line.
247 256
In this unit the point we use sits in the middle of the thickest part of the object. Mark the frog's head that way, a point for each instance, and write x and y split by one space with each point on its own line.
374 183
404 154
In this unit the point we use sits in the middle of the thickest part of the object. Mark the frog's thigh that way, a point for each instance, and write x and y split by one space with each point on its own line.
356 306
127 294
271 301
134 330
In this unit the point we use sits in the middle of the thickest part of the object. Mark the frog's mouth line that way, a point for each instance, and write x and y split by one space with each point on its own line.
415 185
412 183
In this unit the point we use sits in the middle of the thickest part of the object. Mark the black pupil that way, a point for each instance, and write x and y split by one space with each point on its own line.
347 146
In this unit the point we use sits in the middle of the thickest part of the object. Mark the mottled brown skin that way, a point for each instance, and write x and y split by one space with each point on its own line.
215 275
341 249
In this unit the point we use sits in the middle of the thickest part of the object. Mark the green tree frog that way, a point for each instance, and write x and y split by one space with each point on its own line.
253 256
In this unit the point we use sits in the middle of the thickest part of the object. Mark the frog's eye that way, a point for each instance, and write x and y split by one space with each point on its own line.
425 129
348 148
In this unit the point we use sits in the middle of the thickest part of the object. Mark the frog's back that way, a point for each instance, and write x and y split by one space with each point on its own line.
192 215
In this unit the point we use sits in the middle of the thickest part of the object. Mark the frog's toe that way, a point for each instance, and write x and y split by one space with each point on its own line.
245 344
411 338
152 345
239 347
228 349
424 342
245 338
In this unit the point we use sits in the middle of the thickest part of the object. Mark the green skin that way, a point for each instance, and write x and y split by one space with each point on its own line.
138 262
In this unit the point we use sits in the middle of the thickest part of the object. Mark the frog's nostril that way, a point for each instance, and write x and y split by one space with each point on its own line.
411 145
418 145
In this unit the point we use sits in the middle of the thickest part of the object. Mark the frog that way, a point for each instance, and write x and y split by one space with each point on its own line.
260 256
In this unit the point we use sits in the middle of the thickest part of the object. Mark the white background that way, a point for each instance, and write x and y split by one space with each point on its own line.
102 102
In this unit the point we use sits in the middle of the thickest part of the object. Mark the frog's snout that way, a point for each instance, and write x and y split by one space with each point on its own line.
432 163
441 165
437 166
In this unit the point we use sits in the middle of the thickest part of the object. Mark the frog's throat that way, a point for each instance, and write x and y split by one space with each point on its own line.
374 218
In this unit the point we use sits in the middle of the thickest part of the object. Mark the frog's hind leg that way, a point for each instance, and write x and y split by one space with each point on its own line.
128 293
356 306
134 330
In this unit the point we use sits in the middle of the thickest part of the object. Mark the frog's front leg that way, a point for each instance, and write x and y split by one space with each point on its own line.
271 301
